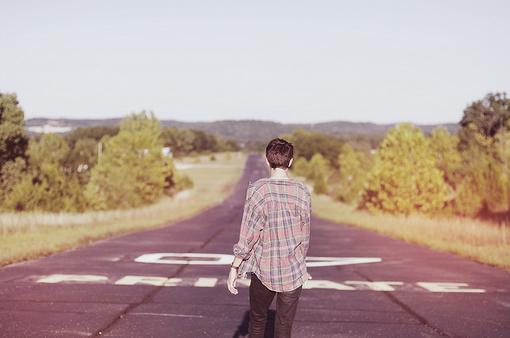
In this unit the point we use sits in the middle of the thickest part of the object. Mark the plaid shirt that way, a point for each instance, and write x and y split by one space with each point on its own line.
275 233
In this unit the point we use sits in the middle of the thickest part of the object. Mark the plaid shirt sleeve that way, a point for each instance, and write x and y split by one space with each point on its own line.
252 224
305 222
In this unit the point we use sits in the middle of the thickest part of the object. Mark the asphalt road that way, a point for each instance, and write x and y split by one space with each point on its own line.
170 282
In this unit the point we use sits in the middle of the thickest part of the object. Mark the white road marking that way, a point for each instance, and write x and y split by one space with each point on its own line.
72 332
333 261
375 286
164 314
58 278
186 258
148 280
112 258
192 258
326 284
245 282
447 287
206 282
173 281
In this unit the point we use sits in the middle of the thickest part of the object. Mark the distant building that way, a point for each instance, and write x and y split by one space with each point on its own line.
166 151
50 127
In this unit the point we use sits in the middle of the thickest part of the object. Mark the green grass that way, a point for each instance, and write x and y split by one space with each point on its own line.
480 241
31 235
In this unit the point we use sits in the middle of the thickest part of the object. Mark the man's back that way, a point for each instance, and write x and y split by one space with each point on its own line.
273 242
275 233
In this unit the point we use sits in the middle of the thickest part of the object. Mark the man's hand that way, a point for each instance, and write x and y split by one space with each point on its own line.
308 276
231 281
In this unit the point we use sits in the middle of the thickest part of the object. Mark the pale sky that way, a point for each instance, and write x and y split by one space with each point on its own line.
287 61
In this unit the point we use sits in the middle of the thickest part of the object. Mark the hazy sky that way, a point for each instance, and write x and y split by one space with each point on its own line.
288 61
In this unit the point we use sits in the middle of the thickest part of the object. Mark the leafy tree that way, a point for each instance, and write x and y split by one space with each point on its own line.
11 174
301 167
13 144
131 170
203 141
179 140
230 145
13 139
82 158
404 178
189 141
485 118
319 171
91 132
309 143
448 158
46 186
465 173
354 166
47 189
484 171
50 148
503 149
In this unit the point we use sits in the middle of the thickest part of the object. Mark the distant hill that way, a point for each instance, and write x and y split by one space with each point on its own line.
239 130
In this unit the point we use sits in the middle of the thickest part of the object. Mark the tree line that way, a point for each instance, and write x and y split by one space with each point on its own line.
465 174
93 168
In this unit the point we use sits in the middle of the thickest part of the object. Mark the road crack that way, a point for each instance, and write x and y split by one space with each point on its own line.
150 295
408 309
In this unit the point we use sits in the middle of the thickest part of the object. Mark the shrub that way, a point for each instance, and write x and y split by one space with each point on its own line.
131 170
404 178
354 166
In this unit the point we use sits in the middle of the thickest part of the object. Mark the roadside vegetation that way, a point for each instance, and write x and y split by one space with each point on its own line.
88 168
479 240
59 191
30 235
450 192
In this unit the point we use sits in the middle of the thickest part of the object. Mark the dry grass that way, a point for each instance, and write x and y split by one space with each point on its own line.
480 241
30 235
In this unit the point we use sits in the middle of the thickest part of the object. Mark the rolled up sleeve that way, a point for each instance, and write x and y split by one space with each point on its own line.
252 224
305 224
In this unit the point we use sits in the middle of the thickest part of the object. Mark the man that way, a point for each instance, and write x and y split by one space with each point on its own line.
273 242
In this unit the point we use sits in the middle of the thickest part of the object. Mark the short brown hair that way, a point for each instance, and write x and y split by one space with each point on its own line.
279 153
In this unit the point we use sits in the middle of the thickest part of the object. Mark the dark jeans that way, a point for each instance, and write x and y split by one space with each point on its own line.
260 300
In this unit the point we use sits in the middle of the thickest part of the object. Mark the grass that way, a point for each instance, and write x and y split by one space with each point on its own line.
34 234
477 240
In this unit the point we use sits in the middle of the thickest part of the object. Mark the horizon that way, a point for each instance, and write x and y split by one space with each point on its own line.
285 61
243 120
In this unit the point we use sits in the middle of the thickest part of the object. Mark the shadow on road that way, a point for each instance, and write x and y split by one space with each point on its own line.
242 329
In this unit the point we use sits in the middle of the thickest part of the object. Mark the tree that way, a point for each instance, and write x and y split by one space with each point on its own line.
319 171
483 167
354 166
309 143
448 158
189 141
503 149
131 170
50 148
301 167
91 132
13 139
404 178
485 117
46 186
82 158
13 144
11 175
